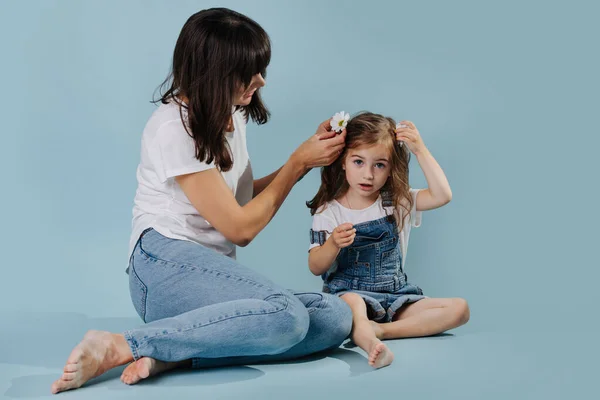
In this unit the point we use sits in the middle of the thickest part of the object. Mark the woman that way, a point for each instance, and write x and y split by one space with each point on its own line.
196 201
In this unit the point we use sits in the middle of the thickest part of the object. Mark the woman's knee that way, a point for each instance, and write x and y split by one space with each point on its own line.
290 323
338 318
330 319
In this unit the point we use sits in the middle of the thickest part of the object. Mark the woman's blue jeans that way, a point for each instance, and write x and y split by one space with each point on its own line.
203 306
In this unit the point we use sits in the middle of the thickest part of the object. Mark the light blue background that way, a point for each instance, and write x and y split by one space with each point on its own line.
505 95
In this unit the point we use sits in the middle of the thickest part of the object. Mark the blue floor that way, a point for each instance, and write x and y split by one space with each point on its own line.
466 364
504 95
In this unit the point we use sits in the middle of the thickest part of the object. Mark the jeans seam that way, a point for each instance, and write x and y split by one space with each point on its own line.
192 267
144 288
196 326
132 345
324 302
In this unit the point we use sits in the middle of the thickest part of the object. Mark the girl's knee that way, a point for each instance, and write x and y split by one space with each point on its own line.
461 311
352 298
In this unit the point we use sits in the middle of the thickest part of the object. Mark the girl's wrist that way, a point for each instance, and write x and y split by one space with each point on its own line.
332 244
422 152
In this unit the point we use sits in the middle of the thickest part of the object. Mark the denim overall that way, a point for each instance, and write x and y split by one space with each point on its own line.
372 267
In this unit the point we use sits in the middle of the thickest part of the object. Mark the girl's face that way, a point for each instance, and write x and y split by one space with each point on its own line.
244 94
367 169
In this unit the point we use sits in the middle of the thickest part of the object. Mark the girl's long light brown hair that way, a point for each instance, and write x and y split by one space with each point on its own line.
366 129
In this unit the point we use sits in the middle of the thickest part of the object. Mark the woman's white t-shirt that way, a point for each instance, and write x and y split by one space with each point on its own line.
168 151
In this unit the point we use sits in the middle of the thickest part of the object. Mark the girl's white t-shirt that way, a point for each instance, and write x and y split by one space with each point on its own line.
168 151
333 214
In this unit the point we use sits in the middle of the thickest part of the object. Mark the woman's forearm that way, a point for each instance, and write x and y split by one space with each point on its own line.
262 183
257 213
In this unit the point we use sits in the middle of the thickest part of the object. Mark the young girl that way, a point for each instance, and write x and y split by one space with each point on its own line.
363 213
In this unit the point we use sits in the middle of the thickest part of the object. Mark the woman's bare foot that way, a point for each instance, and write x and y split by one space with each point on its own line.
95 354
146 367
380 355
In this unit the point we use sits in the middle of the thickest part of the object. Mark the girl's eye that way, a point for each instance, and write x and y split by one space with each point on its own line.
358 162
380 165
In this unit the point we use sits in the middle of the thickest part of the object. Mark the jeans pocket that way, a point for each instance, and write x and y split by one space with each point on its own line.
390 262
361 260
364 239
138 291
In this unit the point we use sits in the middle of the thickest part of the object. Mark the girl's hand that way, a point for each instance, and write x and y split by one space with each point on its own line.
321 149
343 235
410 136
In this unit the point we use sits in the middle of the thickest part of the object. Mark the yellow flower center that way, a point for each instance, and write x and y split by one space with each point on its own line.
341 122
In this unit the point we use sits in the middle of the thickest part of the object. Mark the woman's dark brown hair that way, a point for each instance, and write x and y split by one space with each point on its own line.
216 55
367 129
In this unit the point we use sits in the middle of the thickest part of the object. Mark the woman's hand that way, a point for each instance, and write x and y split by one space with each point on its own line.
321 149
409 135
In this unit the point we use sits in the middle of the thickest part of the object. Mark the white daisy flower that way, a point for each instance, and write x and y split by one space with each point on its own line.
339 121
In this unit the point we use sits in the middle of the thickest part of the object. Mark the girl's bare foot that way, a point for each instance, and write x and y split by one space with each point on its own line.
380 355
364 334
146 367
377 329
367 334
95 354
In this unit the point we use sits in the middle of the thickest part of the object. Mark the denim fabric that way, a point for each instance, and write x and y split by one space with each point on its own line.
372 267
199 304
